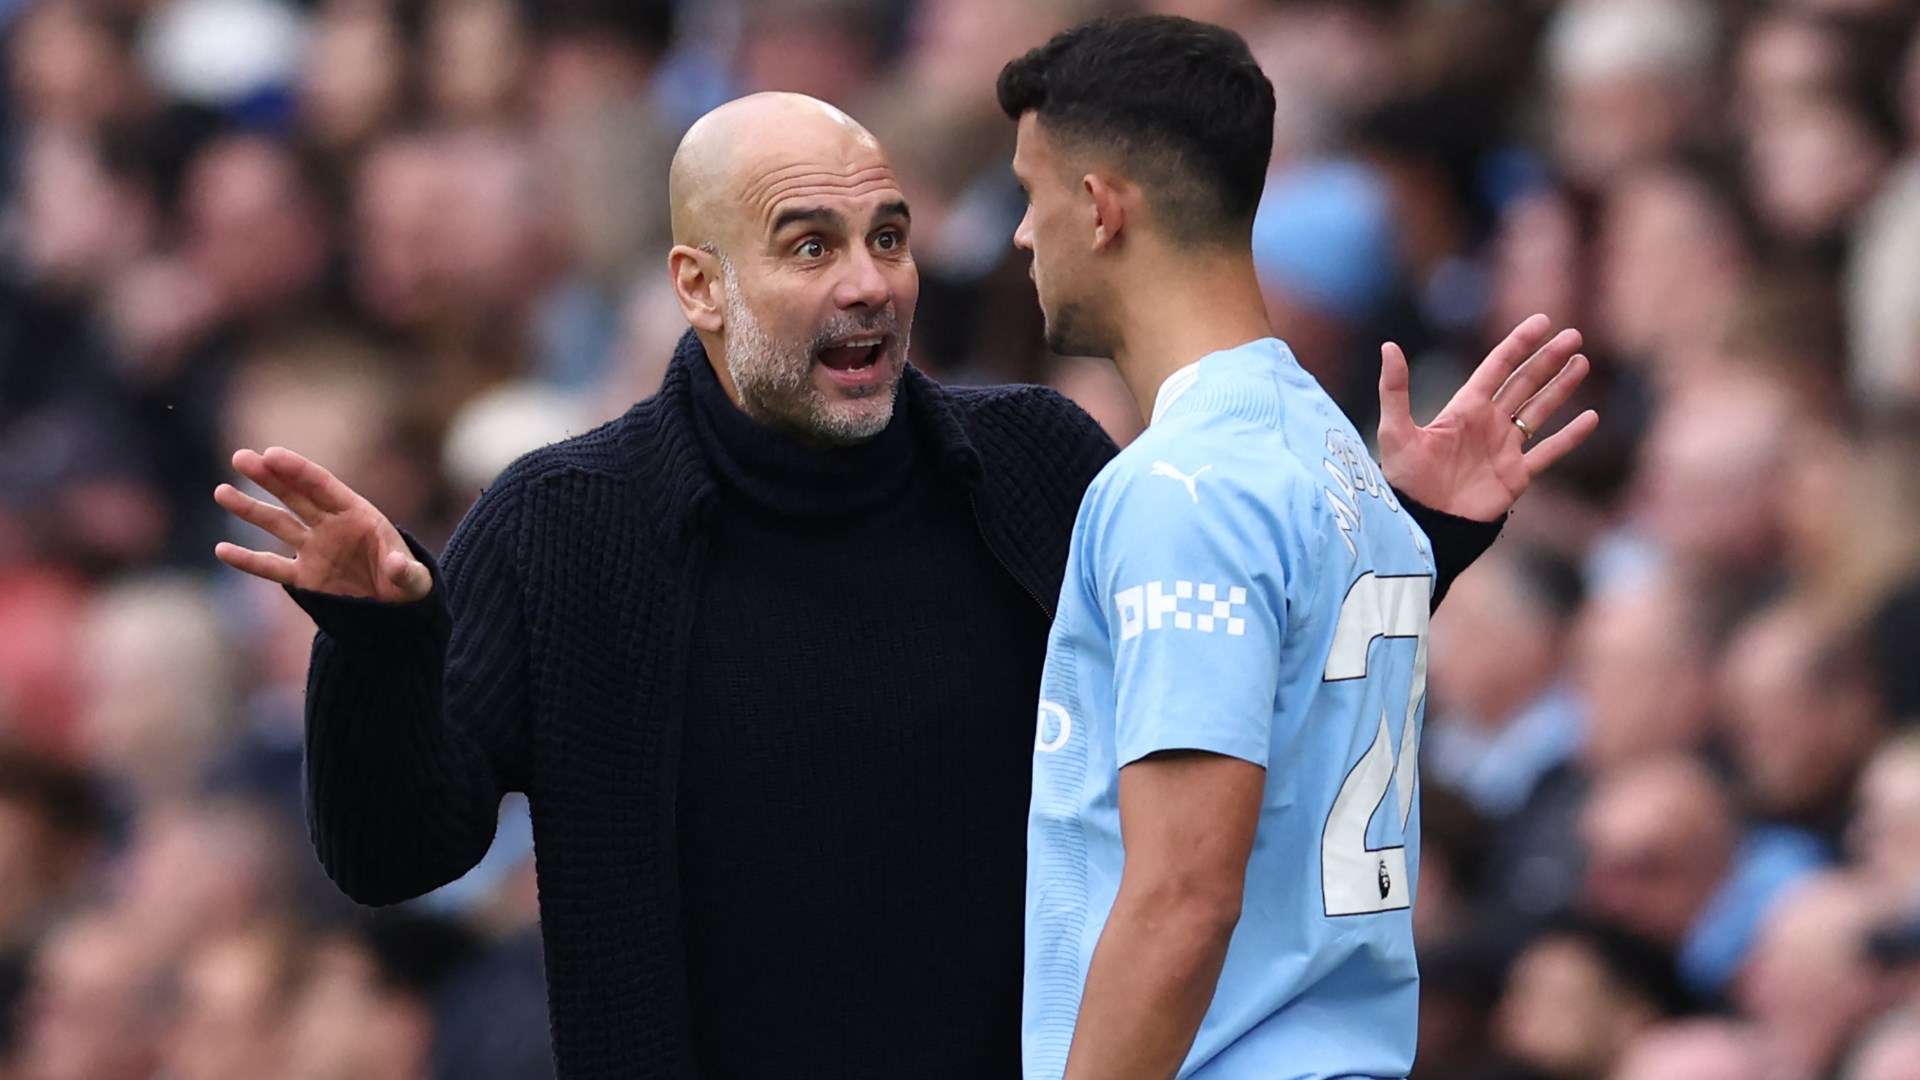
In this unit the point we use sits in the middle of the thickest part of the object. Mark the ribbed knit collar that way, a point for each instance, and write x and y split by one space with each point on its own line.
777 471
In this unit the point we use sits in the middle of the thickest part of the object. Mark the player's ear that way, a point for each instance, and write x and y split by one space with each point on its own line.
696 284
1109 208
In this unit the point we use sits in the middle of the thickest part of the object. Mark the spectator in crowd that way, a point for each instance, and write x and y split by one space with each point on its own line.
254 230
474 53
1884 834
196 871
51 822
1667 860
354 81
1783 668
94 1007
70 67
234 999
158 682
1632 79
1695 1050
1642 664
1639 664
1579 996
1785 55
1672 258
365 1009
1709 478
1809 984
1501 718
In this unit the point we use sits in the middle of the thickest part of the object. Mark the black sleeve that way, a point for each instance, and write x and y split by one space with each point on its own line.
415 717
1457 541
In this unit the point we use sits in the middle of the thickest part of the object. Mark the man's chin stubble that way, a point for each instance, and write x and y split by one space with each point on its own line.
858 426
817 420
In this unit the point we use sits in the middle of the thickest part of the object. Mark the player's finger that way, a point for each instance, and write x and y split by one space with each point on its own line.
1396 410
281 524
252 465
1505 357
314 481
274 568
1561 443
1539 409
1539 368
409 574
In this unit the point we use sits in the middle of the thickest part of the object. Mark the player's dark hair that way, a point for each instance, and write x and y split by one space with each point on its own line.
1181 104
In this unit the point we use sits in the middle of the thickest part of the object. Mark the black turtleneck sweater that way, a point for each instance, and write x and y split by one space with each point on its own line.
854 773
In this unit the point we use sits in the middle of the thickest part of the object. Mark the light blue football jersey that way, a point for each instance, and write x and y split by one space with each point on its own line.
1242 581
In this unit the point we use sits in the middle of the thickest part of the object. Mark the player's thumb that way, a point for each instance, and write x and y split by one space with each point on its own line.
1396 410
408 574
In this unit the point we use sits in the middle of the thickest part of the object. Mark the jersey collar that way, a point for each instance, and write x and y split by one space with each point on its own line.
1173 389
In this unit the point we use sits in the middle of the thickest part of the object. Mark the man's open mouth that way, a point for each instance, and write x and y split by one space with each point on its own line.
854 353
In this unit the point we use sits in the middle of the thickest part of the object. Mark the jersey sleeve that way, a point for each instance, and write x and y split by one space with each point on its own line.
1191 574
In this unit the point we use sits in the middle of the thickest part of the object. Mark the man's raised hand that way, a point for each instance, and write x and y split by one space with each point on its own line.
341 544
1473 461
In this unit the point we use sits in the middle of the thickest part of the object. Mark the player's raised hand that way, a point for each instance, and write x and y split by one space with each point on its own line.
1473 460
341 543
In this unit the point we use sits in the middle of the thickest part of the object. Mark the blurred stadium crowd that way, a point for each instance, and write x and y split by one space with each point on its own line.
1672 766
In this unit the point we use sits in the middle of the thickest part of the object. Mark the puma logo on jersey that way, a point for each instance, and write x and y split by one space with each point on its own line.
1161 468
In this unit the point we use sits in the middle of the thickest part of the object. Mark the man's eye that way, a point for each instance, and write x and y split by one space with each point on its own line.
889 240
812 249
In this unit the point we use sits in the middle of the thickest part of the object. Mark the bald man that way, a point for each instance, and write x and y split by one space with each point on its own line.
766 191
763 653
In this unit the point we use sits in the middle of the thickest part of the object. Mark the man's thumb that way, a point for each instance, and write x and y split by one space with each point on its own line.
1396 407
408 574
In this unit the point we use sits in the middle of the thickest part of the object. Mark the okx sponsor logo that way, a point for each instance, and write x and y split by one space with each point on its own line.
1203 607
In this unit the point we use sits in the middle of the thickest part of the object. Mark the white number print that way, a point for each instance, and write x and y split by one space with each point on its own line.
1356 880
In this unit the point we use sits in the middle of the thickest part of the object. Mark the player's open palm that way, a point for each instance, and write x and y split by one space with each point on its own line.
1473 460
341 543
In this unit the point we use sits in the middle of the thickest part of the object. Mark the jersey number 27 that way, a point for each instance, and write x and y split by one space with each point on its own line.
1356 879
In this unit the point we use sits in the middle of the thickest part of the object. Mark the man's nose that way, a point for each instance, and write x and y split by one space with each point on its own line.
1023 233
863 285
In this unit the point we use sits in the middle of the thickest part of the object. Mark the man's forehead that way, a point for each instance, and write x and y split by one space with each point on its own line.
1036 148
851 185
1028 141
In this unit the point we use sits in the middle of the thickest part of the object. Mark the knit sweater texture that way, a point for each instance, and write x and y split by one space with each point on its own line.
854 765
552 657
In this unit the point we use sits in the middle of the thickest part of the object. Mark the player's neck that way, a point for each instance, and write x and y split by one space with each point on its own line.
1203 309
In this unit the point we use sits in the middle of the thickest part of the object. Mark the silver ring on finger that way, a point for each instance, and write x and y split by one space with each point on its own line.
1526 429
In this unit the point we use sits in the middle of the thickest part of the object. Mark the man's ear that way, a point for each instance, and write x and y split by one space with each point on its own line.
1109 208
696 284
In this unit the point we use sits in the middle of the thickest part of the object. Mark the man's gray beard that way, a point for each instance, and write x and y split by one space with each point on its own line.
775 379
